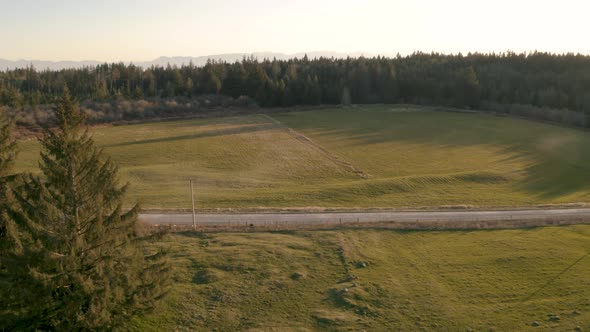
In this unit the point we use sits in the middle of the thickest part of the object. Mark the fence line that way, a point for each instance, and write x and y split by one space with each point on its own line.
437 224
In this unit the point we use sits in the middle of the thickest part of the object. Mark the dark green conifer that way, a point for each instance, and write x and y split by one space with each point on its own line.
7 146
7 156
75 260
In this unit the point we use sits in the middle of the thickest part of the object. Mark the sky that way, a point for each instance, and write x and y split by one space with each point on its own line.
142 30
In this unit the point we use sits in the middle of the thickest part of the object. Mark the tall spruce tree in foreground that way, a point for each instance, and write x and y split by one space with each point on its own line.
76 262
7 156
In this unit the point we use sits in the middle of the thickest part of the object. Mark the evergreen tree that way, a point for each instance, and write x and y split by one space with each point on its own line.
75 261
7 156
7 147
138 92
345 97
233 85
101 89
151 90
169 90
189 86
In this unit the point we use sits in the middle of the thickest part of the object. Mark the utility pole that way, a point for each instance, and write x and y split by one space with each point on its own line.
193 201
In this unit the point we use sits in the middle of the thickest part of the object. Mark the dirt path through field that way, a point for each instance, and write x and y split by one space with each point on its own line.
309 142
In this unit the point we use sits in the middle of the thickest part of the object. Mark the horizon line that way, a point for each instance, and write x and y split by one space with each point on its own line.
296 54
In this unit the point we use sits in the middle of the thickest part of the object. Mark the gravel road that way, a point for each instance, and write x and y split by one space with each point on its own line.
344 217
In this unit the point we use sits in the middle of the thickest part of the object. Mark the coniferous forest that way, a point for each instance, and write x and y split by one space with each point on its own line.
536 85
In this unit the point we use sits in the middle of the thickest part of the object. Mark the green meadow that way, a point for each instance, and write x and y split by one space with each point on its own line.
377 156
377 280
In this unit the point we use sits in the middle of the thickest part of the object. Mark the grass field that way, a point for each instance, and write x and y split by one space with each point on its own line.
382 156
377 280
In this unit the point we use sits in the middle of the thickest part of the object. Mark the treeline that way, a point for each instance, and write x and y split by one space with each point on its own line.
536 84
122 111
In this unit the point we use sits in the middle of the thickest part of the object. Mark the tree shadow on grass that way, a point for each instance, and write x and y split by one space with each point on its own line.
553 171
207 134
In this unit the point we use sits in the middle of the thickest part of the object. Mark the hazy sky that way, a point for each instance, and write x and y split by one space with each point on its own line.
126 30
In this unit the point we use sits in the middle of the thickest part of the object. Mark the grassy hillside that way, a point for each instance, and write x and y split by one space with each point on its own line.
352 280
433 158
379 156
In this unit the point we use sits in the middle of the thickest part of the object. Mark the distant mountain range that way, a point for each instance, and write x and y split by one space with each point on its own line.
176 60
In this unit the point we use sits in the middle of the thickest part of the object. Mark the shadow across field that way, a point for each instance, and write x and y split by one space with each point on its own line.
555 161
244 129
